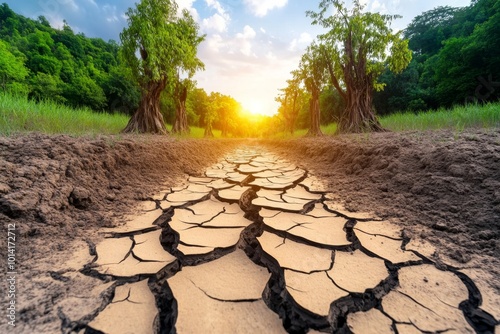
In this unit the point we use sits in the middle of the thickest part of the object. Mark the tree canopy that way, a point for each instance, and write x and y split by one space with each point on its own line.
47 63
455 60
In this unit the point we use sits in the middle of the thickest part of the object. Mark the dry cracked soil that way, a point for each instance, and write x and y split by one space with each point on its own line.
384 233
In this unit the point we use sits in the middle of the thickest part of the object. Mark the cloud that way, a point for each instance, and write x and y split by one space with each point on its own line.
219 21
110 13
260 8
188 4
244 40
303 40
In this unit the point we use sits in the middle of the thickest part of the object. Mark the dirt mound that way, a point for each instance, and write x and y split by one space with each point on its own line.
60 184
443 186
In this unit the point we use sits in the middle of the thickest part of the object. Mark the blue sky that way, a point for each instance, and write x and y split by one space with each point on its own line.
251 45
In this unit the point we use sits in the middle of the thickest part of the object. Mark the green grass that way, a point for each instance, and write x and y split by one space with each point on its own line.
458 118
18 114
329 130
196 132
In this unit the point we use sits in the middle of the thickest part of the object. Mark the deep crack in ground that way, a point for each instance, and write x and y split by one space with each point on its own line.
257 246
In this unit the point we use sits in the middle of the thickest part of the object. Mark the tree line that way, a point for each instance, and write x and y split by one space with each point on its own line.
454 60
46 63
359 68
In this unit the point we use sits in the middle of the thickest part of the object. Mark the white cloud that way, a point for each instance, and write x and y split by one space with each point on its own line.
215 5
248 33
188 4
215 43
299 43
305 38
271 56
217 22
245 40
185 4
260 8
110 13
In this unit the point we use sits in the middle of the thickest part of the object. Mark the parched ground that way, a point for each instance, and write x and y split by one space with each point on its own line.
59 191
442 186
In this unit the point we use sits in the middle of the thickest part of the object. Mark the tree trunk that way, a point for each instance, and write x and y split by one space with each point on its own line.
148 117
293 114
314 110
208 130
225 128
181 124
359 115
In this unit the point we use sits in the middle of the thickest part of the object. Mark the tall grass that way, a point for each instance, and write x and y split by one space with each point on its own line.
18 114
458 118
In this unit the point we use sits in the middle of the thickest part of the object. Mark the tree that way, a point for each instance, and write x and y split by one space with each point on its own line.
167 45
356 50
290 100
312 72
180 96
211 113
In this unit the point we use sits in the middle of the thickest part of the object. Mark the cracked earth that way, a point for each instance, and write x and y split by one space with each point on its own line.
258 245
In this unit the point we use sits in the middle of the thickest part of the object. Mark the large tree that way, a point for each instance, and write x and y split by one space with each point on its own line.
158 44
358 47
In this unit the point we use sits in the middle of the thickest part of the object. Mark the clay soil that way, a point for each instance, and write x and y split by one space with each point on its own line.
59 191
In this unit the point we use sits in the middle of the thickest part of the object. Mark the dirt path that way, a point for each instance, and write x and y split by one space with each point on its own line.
306 255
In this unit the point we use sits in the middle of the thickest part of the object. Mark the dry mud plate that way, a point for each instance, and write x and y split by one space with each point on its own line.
258 245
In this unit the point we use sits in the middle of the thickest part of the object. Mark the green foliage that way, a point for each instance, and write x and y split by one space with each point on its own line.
45 63
167 43
331 105
455 60
12 70
293 101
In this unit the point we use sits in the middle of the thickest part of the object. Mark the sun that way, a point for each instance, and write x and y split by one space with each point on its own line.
254 107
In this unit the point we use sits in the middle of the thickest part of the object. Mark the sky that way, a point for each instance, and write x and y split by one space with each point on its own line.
251 46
